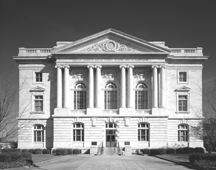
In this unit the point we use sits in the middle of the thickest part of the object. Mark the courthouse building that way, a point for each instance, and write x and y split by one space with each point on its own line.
109 88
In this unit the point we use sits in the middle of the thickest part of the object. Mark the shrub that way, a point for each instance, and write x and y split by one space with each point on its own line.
13 144
170 151
76 151
145 151
46 151
179 150
5 157
61 151
70 151
24 150
37 151
153 152
31 150
188 150
201 156
53 151
199 150
205 164
10 150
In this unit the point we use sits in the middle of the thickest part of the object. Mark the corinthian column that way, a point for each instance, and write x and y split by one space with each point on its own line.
98 82
162 85
123 87
66 86
59 86
155 87
91 87
130 86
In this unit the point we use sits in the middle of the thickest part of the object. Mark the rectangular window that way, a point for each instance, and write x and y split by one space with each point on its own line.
110 100
143 132
183 103
183 133
78 132
38 133
38 77
79 99
182 77
141 100
39 103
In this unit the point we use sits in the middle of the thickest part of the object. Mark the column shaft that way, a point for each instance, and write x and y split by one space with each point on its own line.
91 87
155 87
98 90
162 85
130 87
59 87
66 86
123 87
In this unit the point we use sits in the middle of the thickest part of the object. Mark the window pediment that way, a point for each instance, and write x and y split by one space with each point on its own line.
183 89
37 89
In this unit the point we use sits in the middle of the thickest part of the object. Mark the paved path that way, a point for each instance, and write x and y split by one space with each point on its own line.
134 162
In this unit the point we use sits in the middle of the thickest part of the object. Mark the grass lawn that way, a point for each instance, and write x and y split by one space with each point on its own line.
42 157
182 158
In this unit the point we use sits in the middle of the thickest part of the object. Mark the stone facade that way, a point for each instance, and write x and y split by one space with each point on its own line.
110 88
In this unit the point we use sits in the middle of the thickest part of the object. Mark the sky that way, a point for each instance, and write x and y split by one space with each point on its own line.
40 23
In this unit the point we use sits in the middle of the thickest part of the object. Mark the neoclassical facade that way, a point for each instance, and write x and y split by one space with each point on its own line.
109 89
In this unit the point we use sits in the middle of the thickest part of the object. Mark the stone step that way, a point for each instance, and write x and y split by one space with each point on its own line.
109 151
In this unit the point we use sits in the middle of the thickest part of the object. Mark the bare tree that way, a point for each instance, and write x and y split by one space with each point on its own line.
9 111
206 128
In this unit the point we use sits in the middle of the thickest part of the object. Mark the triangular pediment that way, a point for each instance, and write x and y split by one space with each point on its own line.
110 41
183 89
37 89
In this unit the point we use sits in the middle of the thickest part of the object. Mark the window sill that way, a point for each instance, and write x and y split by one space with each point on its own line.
182 112
37 112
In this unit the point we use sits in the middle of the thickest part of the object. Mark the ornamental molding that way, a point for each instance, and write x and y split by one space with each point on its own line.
183 89
140 75
77 119
109 46
37 89
143 120
109 75
78 75
183 121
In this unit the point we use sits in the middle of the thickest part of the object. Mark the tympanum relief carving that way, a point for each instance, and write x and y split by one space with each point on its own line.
109 46
109 75
78 75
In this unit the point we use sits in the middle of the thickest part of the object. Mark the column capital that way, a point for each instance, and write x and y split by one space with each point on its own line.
154 66
130 66
122 66
90 66
98 66
66 66
161 66
58 66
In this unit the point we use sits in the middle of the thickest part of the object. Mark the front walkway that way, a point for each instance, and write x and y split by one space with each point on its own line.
84 162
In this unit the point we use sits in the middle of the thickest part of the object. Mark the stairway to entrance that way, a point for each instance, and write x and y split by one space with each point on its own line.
109 151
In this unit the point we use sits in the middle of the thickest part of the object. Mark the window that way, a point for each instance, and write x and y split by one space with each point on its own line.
182 77
110 96
143 132
182 103
183 132
38 77
38 133
78 132
39 103
141 96
80 97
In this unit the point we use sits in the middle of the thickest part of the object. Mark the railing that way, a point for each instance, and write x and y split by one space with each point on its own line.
112 111
100 149
34 51
187 51
82 111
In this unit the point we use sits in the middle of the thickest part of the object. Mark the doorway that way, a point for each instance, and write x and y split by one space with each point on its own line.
110 134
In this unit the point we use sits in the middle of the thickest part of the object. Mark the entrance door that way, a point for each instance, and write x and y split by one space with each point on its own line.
110 138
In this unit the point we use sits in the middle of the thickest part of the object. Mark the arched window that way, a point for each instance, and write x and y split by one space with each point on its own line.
183 132
143 132
80 96
110 96
38 133
78 132
141 96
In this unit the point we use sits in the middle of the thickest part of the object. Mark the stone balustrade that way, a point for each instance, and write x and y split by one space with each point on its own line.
187 51
34 51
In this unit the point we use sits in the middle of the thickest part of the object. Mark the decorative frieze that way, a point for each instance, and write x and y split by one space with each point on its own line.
109 46
78 75
140 75
109 75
